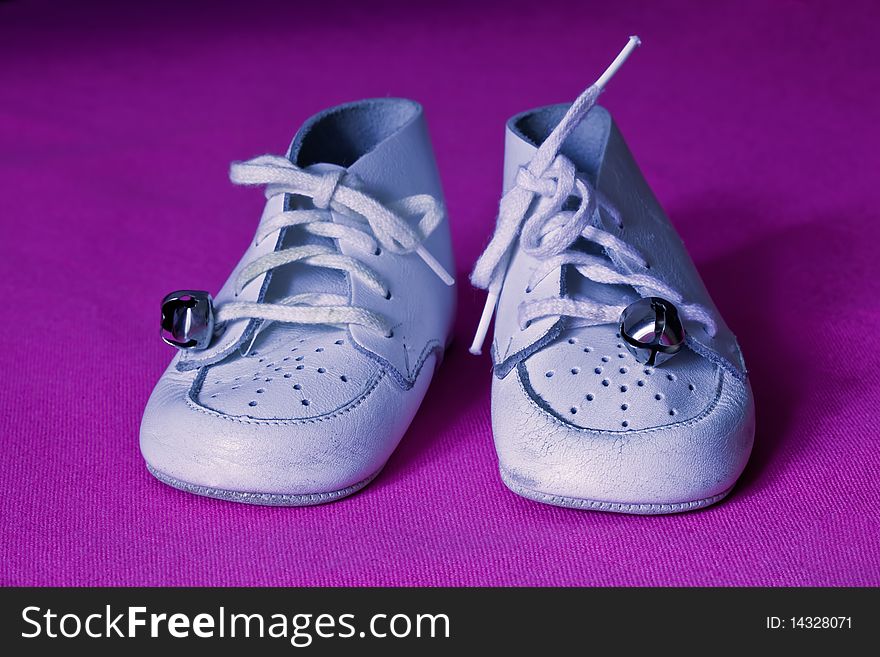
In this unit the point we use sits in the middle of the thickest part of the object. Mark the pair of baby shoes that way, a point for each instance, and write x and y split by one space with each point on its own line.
617 386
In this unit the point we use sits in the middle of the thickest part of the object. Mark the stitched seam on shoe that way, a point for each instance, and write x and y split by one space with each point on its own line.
545 408
597 504
502 368
430 347
245 419
713 357
185 366
247 497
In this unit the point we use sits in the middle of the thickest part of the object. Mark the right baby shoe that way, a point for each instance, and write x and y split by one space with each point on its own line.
617 386
294 386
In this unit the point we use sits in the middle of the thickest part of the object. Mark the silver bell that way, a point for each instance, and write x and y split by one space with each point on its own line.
652 330
188 319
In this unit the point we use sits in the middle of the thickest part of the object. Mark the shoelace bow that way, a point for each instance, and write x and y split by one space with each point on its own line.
549 231
374 227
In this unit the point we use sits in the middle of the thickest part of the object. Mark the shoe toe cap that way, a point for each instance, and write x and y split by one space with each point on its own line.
185 441
624 450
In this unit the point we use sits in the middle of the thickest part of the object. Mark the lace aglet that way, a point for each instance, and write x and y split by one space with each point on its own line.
435 266
633 43
483 328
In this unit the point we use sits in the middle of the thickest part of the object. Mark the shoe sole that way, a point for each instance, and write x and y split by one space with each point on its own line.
263 499
646 509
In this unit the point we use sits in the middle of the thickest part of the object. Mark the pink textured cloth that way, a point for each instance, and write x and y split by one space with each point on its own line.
756 125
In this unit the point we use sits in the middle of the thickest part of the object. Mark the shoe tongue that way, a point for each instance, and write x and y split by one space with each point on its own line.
298 278
580 287
324 167
585 147
407 152
378 173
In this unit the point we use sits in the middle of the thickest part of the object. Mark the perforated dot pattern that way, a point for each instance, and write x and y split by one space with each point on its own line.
289 373
589 378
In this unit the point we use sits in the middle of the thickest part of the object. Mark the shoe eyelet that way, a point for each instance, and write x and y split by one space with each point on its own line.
390 334
388 295
378 251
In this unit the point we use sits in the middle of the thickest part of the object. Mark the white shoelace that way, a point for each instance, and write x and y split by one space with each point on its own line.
374 227
549 232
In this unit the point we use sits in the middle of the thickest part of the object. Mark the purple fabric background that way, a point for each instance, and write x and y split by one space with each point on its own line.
757 128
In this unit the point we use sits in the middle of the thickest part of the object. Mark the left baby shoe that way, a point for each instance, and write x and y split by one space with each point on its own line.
296 383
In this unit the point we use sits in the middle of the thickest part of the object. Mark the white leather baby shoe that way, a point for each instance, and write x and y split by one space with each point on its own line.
296 383
617 385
